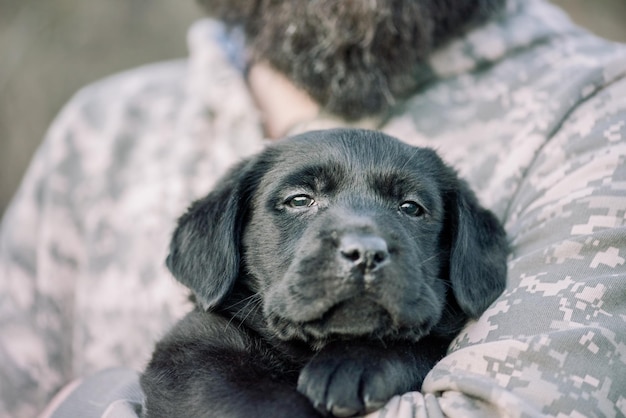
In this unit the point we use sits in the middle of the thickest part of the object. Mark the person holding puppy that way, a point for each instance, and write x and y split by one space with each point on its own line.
528 107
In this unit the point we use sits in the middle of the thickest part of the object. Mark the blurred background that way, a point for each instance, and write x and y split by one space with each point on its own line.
49 49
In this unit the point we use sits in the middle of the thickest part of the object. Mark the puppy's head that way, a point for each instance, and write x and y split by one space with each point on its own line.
344 234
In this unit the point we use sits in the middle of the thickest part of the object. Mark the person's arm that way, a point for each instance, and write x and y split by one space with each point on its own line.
554 343
39 255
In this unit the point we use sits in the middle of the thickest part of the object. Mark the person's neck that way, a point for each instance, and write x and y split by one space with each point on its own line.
281 103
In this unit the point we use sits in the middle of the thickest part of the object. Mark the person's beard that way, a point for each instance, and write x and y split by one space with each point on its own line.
354 57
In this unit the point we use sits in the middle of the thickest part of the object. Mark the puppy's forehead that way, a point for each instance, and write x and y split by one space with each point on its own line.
348 147
329 157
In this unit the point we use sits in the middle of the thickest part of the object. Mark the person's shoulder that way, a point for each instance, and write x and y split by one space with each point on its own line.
141 90
157 78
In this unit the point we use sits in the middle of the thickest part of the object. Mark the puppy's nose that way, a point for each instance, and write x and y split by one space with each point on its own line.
367 251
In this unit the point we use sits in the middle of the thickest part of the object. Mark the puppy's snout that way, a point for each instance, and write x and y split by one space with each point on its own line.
366 251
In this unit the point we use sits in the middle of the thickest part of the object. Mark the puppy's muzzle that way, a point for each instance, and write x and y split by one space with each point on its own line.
363 252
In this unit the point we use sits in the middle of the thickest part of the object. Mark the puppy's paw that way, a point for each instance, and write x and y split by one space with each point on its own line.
346 381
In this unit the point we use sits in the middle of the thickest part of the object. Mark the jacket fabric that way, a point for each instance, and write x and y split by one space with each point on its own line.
529 108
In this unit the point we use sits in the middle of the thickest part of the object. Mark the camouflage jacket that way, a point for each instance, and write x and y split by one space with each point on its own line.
529 108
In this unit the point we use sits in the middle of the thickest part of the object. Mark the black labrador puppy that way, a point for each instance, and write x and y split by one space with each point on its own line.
330 273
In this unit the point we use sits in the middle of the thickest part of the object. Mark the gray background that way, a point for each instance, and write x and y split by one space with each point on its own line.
50 48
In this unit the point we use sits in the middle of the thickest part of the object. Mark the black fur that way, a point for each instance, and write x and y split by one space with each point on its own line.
332 270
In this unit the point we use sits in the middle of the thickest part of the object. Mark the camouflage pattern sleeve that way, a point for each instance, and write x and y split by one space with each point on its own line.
554 344
91 218
35 309
83 283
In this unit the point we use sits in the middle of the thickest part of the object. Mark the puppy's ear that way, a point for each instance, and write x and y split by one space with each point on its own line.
478 255
204 250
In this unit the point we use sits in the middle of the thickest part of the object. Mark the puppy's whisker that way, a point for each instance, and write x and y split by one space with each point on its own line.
247 307
250 311
243 301
428 259
411 157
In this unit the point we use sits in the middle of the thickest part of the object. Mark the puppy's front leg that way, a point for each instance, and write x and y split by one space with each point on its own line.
348 377
207 367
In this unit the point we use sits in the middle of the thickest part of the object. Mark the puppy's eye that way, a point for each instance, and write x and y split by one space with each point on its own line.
412 208
300 201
